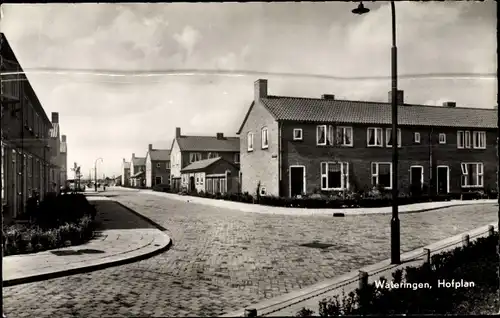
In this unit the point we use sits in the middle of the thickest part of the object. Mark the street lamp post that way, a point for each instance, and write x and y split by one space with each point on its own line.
395 227
95 172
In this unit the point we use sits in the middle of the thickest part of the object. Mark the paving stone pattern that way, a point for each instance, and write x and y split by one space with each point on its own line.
222 260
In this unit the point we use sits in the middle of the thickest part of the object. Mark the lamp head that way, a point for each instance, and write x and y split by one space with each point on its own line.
360 9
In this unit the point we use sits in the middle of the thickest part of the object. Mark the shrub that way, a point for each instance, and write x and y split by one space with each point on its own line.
56 210
477 263
161 187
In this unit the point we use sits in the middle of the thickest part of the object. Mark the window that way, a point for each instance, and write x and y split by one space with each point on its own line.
194 156
167 165
197 180
344 135
442 138
263 137
388 137
324 135
479 140
250 141
382 174
334 175
213 155
463 139
263 191
201 180
472 175
236 158
157 165
416 137
297 134
374 137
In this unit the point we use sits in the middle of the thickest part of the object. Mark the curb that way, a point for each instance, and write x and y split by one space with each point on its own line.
91 268
145 218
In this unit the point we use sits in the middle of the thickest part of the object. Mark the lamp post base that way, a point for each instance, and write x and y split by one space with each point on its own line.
395 242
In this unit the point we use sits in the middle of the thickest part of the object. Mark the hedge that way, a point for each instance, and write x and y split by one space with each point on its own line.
477 263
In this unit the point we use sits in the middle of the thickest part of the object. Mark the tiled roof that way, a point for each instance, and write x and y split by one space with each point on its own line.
200 165
345 111
54 131
159 154
139 161
208 143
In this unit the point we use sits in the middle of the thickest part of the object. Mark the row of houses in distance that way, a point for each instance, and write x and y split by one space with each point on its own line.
294 146
34 153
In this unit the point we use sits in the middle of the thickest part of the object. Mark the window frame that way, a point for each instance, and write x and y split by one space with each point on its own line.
329 135
264 138
388 133
375 130
467 139
343 130
344 175
263 191
250 141
236 155
479 169
377 173
301 134
194 155
158 165
443 141
460 139
415 139
479 134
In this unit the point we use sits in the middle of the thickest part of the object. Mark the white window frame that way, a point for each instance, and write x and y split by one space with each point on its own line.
329 138
263 191
264 138
304 180
482 143
250 141
376 174
344 174
466 172
442 138
158 165
212 155
236 155
416 137
460 139
388 132
378 133
193 157
297 130
341 130
467 139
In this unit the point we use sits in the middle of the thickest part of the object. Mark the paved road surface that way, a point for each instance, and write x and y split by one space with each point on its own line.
222 260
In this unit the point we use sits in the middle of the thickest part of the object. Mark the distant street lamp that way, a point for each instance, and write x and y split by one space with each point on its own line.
95 172
395 227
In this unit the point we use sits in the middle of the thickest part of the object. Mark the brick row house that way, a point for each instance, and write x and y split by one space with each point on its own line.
137 171
28 160
157 166
295 146
205 163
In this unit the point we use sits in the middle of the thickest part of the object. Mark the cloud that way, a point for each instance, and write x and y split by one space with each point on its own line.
188 39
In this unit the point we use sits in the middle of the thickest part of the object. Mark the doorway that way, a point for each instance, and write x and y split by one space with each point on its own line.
158 180
443 180
191 184
297 180
416 180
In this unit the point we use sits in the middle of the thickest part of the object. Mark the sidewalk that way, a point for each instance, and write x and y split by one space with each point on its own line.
124 237
256 208
309 297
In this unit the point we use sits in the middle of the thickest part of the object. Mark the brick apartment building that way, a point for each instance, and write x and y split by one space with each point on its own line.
297 146
26 153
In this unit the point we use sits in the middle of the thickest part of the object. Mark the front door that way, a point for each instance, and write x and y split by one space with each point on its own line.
442 180
157 180
416 174
191 184
297 181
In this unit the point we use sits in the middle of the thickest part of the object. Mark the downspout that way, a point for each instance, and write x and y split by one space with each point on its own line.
280 158
431 181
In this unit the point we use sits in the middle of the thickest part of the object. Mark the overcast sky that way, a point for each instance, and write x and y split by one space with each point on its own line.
112 117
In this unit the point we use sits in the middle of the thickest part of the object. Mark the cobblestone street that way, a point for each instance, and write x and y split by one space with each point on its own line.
222 260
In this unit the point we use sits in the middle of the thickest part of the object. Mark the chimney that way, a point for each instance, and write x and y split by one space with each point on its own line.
133 156
123 160
450 104
150 147
55 118
400 97
328 96
177 132
220 136
260 89
63 138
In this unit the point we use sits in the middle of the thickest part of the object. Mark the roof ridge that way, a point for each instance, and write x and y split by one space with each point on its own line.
372 102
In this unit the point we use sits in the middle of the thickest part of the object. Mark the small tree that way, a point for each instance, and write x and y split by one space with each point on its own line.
257 194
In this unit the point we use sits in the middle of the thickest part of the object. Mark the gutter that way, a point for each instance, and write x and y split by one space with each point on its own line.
431 183
280 158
